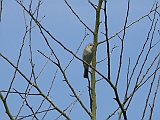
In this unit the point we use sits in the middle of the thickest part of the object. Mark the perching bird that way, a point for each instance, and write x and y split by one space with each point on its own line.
87 56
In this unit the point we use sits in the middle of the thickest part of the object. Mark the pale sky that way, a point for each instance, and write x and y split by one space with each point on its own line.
64 26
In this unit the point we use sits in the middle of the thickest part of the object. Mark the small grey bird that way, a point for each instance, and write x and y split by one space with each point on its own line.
87 56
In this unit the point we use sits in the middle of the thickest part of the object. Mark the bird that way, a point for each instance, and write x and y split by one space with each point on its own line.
87 57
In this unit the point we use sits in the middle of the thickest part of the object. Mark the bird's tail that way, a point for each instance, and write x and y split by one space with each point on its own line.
85 75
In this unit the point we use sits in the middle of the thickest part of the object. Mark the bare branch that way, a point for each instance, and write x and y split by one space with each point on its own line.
153 102
107 42
78 16
85 35
66 80
149 93
122 43
6 107
34 85
94 6
153 10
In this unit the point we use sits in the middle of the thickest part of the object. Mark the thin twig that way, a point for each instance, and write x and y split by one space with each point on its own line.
36 87
66 80
78 16
149 93
94 6
122 42
85 35
107 42
153 102
131 24
90 95
139 56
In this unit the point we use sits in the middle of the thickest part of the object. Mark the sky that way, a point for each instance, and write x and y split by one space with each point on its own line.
65 27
